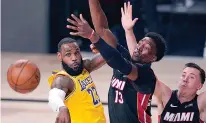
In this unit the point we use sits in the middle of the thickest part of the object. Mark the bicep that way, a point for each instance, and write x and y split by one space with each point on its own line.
63 83
94 63
162 92
202 101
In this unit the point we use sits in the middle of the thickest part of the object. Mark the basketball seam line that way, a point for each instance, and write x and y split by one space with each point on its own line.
29 78
19 74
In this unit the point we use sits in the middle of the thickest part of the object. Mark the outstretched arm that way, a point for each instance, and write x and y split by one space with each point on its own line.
61 86
128 25
201 100
82 28
101 24
162 93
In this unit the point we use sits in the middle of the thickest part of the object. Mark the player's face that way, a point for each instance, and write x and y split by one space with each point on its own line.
190 81
70 56
145 51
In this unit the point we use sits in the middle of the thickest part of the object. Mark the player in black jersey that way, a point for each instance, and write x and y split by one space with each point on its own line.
183 105
179 106
133 81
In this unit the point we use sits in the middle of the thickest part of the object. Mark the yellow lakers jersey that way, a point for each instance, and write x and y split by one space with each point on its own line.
83 102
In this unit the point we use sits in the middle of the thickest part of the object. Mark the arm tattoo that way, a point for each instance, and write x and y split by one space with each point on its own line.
64 83
94 63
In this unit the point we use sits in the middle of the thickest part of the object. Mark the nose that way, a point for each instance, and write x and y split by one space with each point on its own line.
74 58
185 80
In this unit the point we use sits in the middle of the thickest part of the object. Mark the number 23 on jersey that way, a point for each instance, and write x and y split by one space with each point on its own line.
95 97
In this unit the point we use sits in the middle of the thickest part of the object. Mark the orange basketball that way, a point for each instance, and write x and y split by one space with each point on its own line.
23 76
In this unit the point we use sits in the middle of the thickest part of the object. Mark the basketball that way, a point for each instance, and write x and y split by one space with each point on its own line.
23 76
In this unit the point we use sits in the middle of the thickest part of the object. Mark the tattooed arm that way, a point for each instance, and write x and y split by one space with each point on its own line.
61 86
94 63
63 83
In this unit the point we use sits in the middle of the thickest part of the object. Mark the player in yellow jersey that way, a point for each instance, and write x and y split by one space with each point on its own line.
73 93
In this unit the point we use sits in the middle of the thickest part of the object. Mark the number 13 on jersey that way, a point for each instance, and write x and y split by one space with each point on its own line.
119 97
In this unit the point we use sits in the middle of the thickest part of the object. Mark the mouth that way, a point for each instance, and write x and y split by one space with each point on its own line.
183 86
75 65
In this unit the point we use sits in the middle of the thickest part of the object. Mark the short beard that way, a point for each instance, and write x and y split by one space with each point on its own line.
72 72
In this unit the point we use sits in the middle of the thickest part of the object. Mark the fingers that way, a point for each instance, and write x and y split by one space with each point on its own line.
82 18
66 120
72 22
72 27
76 18
128 7
125 7
74 33
129 10
93 48
57 120
134 21
122 11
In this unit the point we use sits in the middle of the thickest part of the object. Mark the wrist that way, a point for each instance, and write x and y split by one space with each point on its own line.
62 108
91 34
128 30
95 37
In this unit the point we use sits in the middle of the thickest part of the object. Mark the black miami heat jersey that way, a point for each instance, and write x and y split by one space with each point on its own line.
130 101
175 112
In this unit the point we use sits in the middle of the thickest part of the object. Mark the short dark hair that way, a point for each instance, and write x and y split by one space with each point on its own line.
64 41
202 72
160 44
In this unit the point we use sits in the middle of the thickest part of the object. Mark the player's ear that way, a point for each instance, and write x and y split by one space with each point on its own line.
199 87
154 58
59 57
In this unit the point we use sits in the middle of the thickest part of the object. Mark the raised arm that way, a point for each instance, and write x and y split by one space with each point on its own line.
82 28
162 93
60 87
128 25
101 24
201 100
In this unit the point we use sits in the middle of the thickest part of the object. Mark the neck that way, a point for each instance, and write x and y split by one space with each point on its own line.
185 97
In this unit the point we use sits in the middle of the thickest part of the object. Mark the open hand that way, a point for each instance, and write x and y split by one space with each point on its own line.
80 25
126 19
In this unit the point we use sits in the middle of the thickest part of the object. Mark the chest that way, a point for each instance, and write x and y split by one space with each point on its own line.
176 112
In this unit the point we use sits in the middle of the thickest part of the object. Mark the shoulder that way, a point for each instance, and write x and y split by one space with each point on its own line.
63 81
